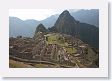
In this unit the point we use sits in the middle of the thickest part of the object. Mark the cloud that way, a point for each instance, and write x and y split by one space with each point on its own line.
38 14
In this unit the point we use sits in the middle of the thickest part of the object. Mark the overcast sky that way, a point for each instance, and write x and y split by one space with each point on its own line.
38 14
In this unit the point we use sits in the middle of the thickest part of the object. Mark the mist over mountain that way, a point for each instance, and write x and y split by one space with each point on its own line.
20 27
50 21
87 16
27 28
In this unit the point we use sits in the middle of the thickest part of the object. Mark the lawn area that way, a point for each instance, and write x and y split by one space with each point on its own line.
55 39
71 50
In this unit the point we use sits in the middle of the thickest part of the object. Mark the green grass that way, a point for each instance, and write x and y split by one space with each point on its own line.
52 39
71 50
55 39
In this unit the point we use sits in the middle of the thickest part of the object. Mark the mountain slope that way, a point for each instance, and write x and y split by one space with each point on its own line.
87 16
65 23
50 21
20 27
89 34
68 25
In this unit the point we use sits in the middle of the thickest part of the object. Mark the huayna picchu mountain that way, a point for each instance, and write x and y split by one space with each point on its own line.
68 25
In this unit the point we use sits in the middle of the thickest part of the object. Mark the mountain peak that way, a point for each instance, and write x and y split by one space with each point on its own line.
65 15
65 12
65 23
40 25
40 28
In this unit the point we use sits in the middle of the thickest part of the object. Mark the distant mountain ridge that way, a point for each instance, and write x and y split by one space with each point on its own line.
87 16
16 25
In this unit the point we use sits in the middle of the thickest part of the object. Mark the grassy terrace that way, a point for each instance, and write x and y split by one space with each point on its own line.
57 39
71 50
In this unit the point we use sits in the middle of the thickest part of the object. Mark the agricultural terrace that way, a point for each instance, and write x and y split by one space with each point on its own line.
59 40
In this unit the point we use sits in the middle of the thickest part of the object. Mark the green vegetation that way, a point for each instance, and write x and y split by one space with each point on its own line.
57 39
71 50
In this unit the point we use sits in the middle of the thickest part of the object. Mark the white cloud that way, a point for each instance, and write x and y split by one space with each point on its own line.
38 14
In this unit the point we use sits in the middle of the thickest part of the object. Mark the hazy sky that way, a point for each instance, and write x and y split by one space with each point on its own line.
38 14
